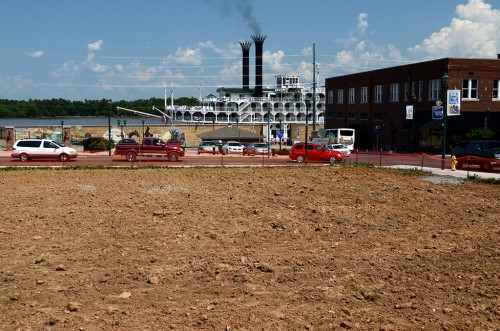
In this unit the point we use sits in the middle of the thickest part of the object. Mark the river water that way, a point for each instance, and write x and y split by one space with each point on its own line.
74 121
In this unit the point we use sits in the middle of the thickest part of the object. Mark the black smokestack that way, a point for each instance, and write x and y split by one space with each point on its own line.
259 42
245 47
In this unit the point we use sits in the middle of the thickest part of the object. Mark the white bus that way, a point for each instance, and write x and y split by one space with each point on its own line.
336 136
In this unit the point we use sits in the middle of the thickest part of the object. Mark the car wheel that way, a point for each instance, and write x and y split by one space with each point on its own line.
300 158
173 157
24 157
199 152
131 156
63 157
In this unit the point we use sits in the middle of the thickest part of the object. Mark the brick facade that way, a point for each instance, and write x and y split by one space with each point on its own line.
420 85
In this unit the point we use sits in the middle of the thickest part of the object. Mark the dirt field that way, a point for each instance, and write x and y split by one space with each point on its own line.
298 248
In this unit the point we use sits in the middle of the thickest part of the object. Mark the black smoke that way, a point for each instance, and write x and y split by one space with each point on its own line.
243 8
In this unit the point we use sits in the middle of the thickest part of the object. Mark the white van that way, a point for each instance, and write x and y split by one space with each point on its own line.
26 149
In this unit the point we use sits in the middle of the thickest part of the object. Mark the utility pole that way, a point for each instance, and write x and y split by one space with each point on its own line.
314 87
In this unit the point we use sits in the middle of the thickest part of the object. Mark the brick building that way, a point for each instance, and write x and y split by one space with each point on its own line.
374 103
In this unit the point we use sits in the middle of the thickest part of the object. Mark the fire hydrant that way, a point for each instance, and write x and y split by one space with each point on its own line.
453 163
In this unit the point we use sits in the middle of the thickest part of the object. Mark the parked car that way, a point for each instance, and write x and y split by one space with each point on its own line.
208 147
315 152
340 148
484 153
256 149
232 147
26 149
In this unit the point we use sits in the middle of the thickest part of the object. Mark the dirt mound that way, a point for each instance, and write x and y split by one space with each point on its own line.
285 248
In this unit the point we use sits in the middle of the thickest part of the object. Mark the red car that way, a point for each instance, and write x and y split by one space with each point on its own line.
315 152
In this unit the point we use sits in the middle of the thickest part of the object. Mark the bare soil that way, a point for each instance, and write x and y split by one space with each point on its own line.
284 248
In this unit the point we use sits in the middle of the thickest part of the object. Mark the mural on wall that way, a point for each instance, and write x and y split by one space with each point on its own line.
171 133
48 132
116 135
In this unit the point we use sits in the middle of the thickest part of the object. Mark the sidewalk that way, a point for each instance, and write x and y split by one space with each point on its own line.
447 172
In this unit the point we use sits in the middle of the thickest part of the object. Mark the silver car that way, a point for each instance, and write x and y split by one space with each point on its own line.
232 147
26 149
339 147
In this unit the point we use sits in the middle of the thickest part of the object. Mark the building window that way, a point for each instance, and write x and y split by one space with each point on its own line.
329 115
378 93
377 116
363 116
364 94
340 96
394 97
351 116
469 89
352 95
340 116
330 97
420 91
407 89
434 87
496 87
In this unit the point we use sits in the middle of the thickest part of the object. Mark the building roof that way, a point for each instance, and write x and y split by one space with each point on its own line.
229 133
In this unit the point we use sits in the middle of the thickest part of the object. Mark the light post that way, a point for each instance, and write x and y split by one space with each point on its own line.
268 132
278 135
445 79
307 127
142 130
121 126
487 117
109 128
238 127
62 132
414 118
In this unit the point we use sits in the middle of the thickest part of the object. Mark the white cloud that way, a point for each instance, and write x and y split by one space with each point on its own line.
99 68
95 46
362 22
187 56
473 34
36 54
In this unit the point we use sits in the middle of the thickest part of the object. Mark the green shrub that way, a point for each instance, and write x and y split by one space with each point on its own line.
96 144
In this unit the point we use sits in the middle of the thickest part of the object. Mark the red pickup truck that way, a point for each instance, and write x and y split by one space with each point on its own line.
148 147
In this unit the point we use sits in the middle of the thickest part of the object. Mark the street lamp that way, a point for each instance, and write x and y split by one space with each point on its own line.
268 132
414 118
62 132
109 128
445 80
121 126
142 130
308 102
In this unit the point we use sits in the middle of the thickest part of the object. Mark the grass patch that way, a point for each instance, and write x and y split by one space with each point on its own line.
476 178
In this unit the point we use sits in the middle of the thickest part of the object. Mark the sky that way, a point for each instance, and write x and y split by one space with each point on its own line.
138 49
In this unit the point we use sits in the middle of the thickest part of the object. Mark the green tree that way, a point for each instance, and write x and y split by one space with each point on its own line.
479 134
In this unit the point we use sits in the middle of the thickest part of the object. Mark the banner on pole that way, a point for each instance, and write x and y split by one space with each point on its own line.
437 111
453 103
409 112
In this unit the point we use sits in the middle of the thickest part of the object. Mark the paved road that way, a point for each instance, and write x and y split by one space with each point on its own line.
409 161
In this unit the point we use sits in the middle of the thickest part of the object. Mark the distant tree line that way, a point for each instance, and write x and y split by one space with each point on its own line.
66 108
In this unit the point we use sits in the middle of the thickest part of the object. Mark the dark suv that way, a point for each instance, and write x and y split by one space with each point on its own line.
315 152
484 153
